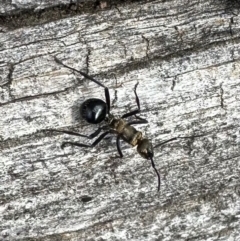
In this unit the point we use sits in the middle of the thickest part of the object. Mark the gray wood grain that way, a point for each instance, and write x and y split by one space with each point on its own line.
186 57
19 6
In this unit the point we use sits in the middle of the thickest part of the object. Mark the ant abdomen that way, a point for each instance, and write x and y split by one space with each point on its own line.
93 110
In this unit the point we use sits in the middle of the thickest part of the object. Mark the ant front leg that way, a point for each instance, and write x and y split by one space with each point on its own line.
107 95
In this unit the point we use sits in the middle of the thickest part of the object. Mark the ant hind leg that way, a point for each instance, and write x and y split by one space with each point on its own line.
85 145
138 110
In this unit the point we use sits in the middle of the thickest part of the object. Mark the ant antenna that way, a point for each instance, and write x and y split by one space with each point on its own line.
153 165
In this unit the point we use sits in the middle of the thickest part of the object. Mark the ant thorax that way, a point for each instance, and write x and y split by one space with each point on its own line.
116 124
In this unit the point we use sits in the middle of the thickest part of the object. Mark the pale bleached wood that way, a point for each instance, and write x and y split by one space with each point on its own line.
185 56
19 6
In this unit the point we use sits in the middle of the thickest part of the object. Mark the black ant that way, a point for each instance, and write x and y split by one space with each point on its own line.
95 111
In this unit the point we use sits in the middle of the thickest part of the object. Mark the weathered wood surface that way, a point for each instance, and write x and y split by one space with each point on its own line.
20 6
186 57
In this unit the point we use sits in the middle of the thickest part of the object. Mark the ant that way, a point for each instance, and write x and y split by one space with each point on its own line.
95 111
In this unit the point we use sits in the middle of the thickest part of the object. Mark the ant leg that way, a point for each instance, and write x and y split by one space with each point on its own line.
118 146
84 145
141 121
134 112
138 110
137 99
91 136
107 95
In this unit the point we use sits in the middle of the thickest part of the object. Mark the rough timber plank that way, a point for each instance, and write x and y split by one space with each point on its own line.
13 7
186 57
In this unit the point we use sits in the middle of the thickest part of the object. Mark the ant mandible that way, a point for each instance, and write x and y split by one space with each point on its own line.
95 111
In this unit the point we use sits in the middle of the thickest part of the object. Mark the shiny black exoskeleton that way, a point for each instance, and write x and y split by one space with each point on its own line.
95 111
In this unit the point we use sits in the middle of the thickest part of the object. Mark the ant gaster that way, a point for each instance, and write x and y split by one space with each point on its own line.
95 111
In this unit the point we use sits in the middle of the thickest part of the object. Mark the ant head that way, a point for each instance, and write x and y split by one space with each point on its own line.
93 110
145 149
